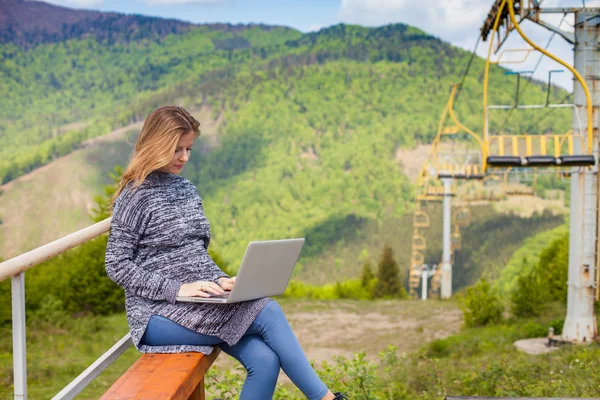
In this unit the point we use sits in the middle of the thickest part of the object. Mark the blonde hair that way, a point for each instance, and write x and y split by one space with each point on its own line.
155 146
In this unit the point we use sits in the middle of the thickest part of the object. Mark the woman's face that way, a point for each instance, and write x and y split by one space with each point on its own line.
182 154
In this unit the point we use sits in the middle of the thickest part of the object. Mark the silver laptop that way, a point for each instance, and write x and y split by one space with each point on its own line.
265 271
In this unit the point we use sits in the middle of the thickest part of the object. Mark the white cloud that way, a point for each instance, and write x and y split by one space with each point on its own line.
459 21
314 28
439 17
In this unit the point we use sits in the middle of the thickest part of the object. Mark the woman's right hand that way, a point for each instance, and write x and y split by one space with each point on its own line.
199 289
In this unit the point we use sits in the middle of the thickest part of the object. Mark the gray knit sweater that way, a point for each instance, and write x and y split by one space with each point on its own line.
158 241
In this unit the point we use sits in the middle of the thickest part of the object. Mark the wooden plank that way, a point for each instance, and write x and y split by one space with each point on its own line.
162 376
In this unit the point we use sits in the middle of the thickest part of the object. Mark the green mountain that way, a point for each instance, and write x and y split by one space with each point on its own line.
308 124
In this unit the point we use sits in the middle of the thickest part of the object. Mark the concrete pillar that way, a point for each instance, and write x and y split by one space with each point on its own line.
580 323
446 267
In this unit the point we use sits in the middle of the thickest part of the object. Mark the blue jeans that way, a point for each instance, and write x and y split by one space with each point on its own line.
268 345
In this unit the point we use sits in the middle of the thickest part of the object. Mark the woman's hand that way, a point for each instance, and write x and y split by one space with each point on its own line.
226 283
199 289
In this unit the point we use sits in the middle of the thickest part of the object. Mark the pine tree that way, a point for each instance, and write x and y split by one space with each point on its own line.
367 274
388 276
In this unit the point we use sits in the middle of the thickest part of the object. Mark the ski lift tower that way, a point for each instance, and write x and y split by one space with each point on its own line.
504 17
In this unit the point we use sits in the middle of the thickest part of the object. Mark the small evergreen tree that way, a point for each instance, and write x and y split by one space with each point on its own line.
367 274
388 276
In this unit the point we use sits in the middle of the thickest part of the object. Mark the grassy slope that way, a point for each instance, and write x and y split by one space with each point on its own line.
53 87
56 199
80 81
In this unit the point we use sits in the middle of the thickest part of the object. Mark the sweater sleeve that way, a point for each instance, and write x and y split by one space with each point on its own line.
125 232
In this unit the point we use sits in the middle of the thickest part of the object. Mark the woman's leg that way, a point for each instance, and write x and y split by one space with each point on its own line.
162 331
262 365
260 360
275 330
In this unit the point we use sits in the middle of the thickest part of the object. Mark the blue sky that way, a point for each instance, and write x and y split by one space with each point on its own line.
454 21
304 15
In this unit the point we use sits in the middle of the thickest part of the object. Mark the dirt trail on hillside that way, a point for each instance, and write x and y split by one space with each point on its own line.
208 125
56 199
326 329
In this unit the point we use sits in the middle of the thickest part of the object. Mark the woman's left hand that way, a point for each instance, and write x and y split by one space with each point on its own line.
226 283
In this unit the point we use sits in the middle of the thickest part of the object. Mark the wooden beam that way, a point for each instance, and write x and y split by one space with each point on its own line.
164 377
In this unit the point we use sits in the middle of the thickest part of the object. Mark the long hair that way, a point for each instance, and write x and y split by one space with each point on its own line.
155 146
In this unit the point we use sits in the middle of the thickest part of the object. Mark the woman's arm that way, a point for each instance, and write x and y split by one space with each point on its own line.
122 242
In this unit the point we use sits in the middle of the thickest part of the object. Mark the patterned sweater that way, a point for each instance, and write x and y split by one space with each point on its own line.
158 241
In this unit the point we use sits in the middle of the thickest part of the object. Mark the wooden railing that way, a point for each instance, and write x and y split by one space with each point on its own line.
15 270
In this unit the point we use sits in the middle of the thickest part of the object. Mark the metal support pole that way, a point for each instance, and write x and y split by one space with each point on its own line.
446 281
18 332
580 323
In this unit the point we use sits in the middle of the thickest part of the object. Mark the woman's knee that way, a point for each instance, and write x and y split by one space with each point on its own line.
272 311
264 362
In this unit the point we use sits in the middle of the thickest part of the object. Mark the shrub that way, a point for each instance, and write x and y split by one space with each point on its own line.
354 289
367 274
439 348
50 313
545 282
358 376
5 300
481 306
78 280
389 283
348 289
558 325
531 329
527 298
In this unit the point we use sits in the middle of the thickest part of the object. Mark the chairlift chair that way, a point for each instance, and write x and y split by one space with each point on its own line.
462 217
418 241
421 219
455 239
536 146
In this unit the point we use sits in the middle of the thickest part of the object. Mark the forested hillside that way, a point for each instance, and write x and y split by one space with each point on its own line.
54 96
309 124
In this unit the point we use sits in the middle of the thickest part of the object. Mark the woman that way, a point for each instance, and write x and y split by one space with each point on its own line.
157 250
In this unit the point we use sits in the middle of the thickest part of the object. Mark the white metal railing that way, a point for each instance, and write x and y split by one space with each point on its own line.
15 269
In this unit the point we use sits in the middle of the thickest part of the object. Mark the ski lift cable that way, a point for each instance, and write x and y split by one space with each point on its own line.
467 68
531 77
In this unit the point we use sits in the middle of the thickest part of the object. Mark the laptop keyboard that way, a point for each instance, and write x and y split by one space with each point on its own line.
220 296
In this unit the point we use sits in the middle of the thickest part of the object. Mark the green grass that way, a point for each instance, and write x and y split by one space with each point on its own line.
483 361
474 361
56 355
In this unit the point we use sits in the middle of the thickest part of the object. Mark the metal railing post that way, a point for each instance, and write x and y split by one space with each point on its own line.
15 269
18 331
